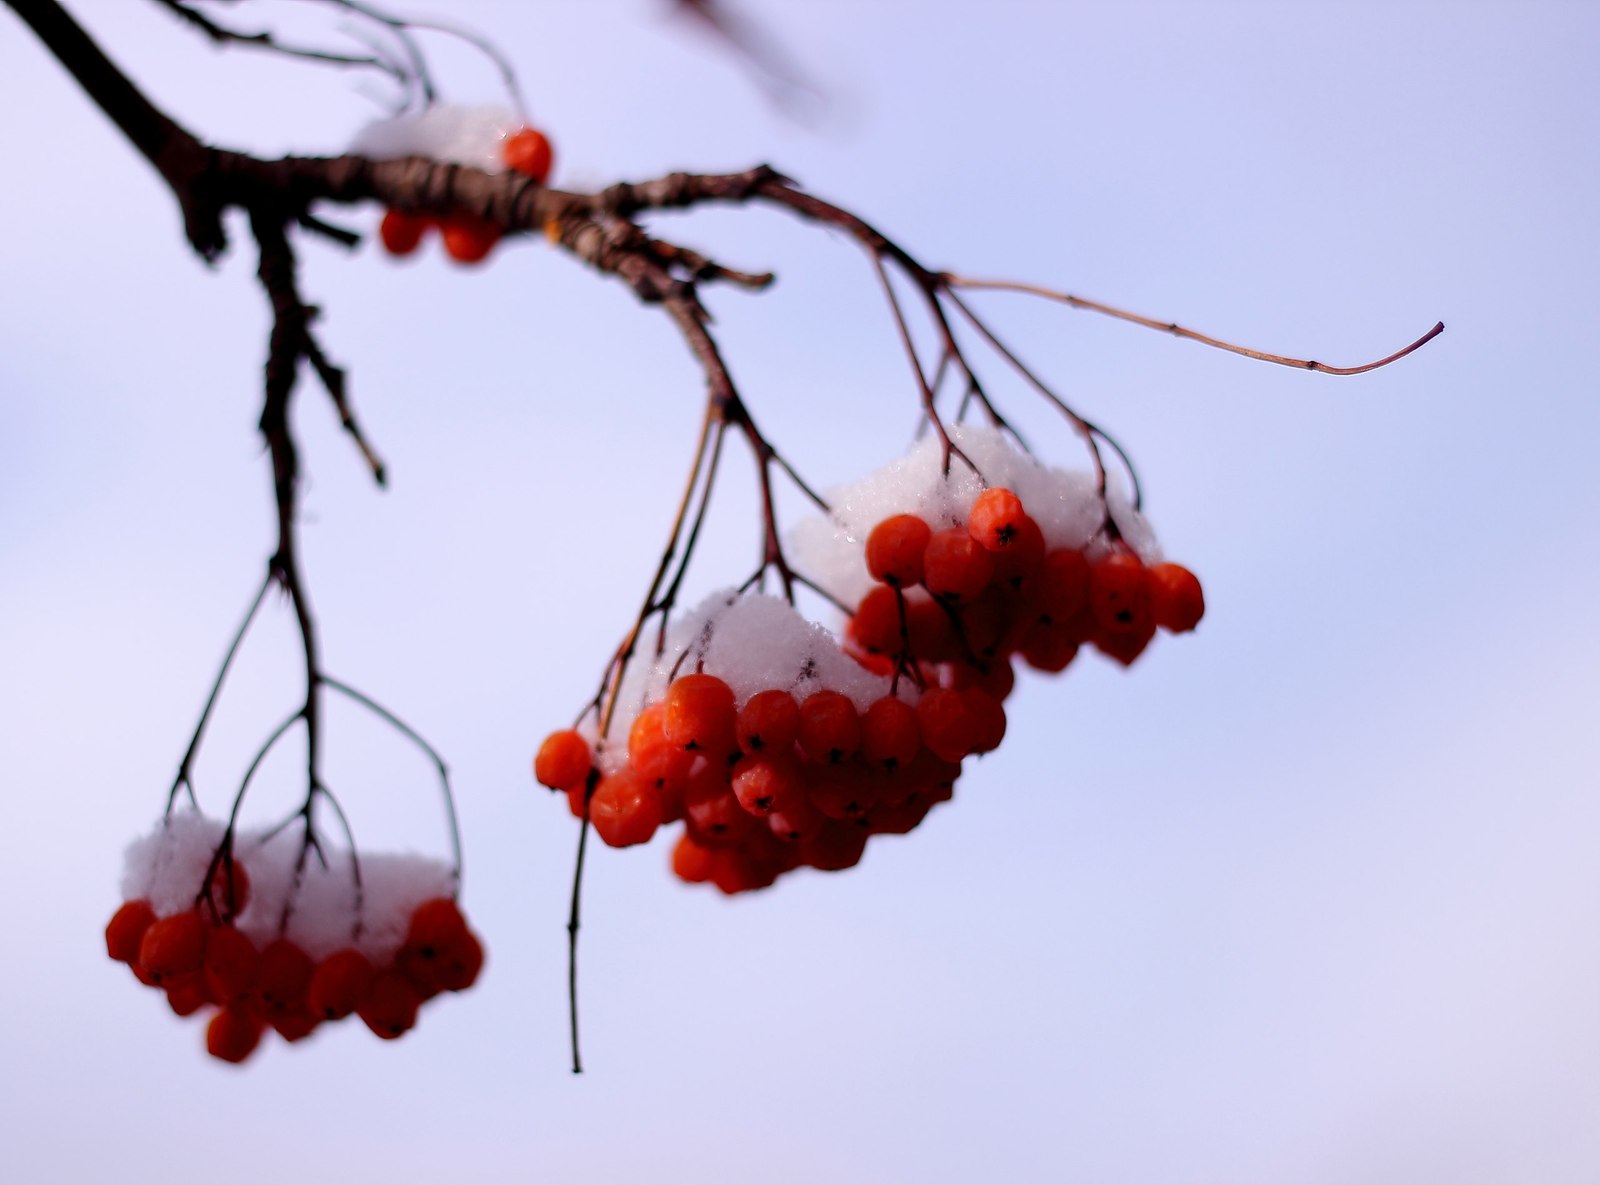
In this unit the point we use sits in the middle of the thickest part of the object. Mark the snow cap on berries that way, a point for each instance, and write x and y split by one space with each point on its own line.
753 642
168 867
831 548
470 136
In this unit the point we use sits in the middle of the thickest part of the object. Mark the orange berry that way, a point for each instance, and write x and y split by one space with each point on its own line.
625 809
282 978
995 519
795 819
232 965
233 1034
1049 647
889 735
401 233
125 930
843 792
173 946
1179 602
955 566
830 728
468 238
1022 558
339 984
563 760
691 860
1126 645
390 1006
528 152
765 784
715 817
700 714
1119 593
894 550
768 722
876 624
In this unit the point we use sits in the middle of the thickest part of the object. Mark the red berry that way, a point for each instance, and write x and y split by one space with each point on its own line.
691 860
946 723
1065 587
125 930
795 820
173 946
955 566
1022 557
468 238
1048 646
830 729
700 714
282 978
995 519
339 984
187 994
295 1026
563 760
233 1034
765 784
1119 593
889 734
876 624
768 722
232 965
625 809
834 846
528 152
894 550
401 233
988 717
1179 602
390 1007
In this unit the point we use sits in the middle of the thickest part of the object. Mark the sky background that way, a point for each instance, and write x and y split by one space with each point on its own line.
1310 896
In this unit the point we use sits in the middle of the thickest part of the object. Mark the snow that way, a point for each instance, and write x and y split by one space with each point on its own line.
469 136
168 868
831 549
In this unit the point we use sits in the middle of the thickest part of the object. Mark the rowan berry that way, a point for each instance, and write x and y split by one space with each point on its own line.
876 626
1179 602
173 946
715 817
795 819
528 152
187 994
995 518
889 734
894 550
1065 587
282 978
830 728
1049 647
843 792
563 760
233 1034
988 718
1119 593
339 984
768 722
765 784
125 930
955 566
1021 559
468 237
834 846
625 809
692 860
295 1025
229 890
700 714
401 233
232 964
946 723
390 1006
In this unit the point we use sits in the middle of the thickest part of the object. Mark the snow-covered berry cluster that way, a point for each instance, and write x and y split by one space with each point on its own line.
254 934
779 747
486 138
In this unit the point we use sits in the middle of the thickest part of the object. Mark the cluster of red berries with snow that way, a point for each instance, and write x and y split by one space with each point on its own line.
485 138
779 748
260 938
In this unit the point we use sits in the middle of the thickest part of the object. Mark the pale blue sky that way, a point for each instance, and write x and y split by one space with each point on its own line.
1308 897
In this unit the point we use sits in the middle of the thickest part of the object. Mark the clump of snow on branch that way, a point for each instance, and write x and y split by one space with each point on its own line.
468 136
831 549
168 868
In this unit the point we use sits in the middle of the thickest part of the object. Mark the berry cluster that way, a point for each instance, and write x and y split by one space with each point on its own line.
232 950
782 748
769 784
468 237
957 603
